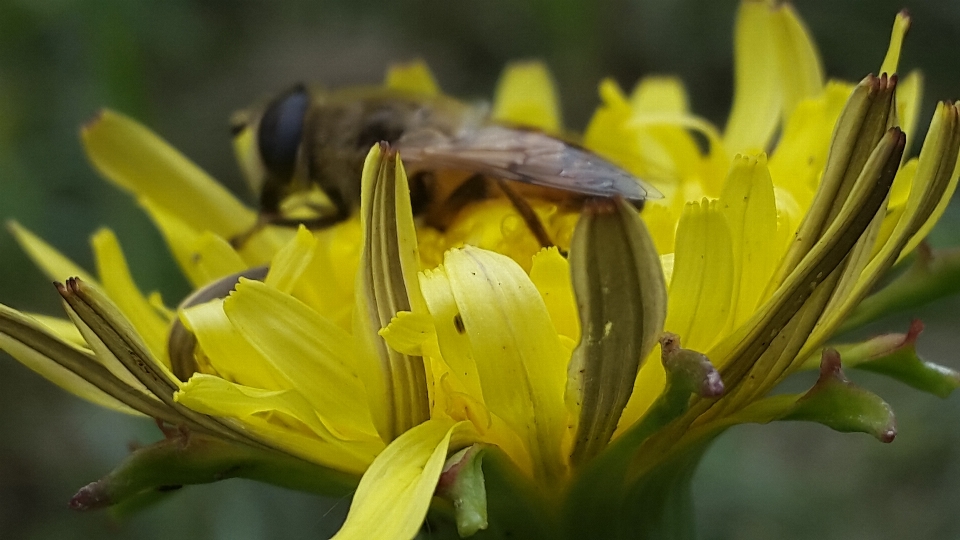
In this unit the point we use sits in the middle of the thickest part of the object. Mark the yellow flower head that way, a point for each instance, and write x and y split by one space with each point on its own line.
394 358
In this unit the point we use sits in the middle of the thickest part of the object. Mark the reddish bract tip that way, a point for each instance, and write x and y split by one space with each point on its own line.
830 366
90 497
916 326
93 121
669 342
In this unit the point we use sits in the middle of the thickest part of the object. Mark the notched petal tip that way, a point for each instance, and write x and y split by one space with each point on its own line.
68 288
387 153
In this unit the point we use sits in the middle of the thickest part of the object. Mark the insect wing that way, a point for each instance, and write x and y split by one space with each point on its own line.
526 156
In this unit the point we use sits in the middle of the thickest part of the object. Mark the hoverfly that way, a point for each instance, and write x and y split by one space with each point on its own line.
308 137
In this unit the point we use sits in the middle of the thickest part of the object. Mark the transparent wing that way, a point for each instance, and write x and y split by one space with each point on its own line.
526 156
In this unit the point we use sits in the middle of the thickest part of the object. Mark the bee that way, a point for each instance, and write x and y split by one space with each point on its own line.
308 137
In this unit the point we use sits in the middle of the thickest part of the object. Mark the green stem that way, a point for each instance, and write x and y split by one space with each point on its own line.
933 275
201 459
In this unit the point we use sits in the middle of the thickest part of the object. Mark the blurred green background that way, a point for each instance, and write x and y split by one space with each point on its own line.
182 67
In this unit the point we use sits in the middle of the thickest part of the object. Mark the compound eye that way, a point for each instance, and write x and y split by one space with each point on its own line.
281 130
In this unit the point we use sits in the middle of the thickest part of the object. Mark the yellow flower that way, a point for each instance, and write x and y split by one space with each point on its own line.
395 358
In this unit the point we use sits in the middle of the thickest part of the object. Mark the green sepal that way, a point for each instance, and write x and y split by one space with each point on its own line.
934 274
386 285
600 503
895 355
462 483
516 507
833 401
191 458
622 303
135 504
112 336
666 497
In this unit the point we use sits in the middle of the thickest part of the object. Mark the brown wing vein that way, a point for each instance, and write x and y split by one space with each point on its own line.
525 156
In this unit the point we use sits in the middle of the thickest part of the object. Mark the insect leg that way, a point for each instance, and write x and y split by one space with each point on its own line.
526 212
441 213
273 218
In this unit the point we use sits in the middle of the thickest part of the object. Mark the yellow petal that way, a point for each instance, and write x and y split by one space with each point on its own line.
109 360
408 331
550 274
203 257
48 368
227 349
408 250
314 356
648 386
214 257
119 285
699 299
54 264
897 201
62 328
496 225
246 152
757 96
137 160
935 215
290 263
209 394
607 132
336 258
527 96
254 407
892 59
909 88
394 494
654 145
452 339
909 101
652 136
662 224
797 56
667 142
659 95
749 206
666 262
520 360
414 77
801 154
451 401
701 288
387 282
